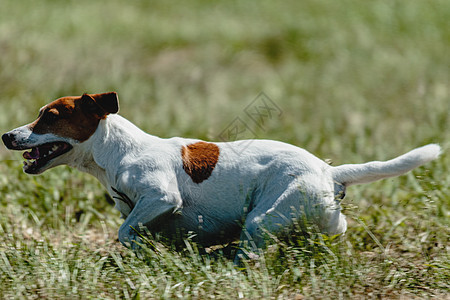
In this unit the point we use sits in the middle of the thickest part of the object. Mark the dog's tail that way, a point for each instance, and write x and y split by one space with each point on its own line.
363 173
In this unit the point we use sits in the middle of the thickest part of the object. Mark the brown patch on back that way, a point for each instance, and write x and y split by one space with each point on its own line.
199 160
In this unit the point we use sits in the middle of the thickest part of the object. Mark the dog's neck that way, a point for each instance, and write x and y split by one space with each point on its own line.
101 155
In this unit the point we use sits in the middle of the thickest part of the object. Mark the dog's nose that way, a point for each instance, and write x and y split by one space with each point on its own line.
7 140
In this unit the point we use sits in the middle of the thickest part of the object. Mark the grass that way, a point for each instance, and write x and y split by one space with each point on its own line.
355 81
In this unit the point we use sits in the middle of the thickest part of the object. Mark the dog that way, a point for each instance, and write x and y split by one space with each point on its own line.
219 191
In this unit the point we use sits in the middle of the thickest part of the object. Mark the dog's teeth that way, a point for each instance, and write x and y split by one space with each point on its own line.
54 148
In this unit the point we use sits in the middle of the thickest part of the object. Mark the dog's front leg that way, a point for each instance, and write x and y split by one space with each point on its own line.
147 209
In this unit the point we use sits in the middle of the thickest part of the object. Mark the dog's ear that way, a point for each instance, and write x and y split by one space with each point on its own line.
100 104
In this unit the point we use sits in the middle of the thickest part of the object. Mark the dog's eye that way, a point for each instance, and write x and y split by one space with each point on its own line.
50 117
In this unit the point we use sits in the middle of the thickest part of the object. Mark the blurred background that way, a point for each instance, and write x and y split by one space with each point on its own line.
351 77
354 81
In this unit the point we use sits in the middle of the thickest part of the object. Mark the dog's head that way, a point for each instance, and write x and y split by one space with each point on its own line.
61 125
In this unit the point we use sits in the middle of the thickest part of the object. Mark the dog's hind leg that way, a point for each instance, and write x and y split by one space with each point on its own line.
307 202
266 218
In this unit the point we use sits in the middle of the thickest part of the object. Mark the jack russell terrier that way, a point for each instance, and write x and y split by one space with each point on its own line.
219 191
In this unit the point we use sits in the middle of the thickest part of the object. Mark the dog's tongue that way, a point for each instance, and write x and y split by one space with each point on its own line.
33 154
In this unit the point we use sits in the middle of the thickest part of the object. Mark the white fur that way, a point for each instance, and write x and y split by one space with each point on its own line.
256 185
375 170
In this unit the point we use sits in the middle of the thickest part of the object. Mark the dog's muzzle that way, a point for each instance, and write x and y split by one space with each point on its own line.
8 140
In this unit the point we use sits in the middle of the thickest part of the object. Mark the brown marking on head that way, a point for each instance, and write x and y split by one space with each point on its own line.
199 160
75 117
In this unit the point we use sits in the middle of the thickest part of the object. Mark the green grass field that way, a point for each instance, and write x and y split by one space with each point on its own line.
355 81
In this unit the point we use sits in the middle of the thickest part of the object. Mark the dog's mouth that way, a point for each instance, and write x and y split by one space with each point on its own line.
40 156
